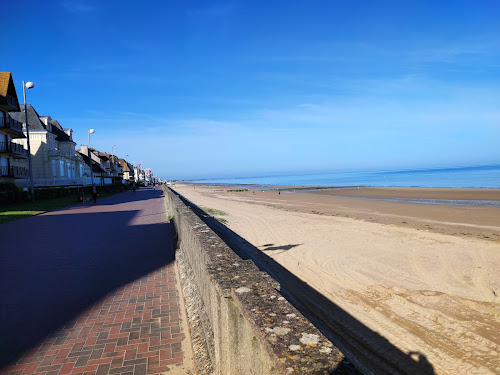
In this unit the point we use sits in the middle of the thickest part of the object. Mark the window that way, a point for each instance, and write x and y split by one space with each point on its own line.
61 167
54 168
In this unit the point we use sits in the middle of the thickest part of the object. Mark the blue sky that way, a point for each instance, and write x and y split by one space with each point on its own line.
197 89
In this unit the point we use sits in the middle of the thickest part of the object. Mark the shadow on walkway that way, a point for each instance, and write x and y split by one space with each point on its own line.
368 350
56 265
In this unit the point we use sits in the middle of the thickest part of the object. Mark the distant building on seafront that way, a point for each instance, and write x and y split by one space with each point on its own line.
127 168
55 161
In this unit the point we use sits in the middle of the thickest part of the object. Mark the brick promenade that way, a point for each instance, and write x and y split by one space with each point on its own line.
92 290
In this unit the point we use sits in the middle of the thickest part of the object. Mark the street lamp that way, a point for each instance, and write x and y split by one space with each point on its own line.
112 164
91 131
29 85
126 162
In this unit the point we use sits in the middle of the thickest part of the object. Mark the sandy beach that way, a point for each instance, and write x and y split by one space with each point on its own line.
424 276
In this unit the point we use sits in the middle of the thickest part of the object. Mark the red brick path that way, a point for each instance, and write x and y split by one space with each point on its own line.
134 330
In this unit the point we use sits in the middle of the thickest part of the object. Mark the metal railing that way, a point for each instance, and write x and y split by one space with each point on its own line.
16 172
13 148
61 181
9 123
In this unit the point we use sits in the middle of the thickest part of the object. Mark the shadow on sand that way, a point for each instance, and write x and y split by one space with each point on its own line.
55 266
283 248
370 352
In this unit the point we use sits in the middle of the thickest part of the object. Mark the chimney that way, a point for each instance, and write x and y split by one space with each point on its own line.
69 132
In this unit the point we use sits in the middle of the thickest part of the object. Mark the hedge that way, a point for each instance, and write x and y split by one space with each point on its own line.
11 193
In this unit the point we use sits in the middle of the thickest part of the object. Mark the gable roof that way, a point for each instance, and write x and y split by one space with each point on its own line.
7 88
37 124
61 136
33 118
103 155
125 165
95 166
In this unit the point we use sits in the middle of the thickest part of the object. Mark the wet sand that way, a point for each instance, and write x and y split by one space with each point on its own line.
423 276
482 222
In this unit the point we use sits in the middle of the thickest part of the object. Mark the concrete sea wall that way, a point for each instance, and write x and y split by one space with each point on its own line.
242 321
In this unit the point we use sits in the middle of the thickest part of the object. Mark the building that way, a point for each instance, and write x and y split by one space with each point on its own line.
52 150
127 168
98 167
138 174
147 176
116 169
111 165
13 156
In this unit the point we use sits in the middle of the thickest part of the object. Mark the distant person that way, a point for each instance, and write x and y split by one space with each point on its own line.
130 185
133 187
94 192
154 185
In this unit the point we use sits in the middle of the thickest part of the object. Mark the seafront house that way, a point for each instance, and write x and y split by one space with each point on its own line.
103 159
108 164
97 167
52 150
148 176
138 174
116 169
127 168
12 155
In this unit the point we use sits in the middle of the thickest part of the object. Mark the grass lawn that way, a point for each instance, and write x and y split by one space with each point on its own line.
25 209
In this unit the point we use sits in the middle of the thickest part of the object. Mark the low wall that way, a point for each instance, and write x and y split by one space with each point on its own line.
246 325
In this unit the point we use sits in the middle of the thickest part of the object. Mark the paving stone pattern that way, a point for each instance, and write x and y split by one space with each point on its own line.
135 329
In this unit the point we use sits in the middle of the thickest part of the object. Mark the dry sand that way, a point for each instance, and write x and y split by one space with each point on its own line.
425 277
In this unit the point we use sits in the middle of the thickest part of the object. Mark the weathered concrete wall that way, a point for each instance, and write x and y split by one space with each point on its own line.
247 325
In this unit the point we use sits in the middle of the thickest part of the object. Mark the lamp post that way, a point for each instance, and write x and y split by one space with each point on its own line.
91 131
29 85
112 164
126 161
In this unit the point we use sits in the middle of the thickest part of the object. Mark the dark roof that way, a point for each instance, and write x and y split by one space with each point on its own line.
61 136
37 124
95 166
33 118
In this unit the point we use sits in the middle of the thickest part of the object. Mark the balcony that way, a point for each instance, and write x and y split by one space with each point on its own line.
13 149
9 103
54 152
15 172
13 127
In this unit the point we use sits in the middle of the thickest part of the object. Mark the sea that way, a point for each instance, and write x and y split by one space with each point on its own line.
457 177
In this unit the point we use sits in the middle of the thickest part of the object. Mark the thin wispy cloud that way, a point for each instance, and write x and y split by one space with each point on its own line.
479 52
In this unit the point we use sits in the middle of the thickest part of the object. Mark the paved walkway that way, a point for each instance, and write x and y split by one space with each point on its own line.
92 289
